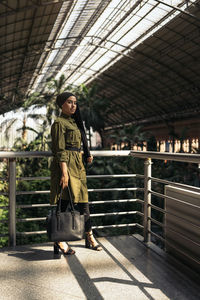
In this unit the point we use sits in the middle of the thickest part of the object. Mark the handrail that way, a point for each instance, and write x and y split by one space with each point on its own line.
180 185
182 157
99 153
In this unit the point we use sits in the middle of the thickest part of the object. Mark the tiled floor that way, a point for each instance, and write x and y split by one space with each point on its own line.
125 269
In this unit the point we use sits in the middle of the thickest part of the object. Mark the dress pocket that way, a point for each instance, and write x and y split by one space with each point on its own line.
69 136
73 136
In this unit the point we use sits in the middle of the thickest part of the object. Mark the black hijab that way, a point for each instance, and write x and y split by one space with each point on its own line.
60 99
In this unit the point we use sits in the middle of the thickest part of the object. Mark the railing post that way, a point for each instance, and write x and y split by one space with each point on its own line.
12 202
147 199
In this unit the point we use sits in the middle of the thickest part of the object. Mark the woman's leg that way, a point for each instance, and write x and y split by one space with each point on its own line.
90 241
84 210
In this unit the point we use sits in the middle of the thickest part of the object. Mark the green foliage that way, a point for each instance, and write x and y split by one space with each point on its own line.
110 166
27 167
3 209
128 136
4 219
35 167
94 109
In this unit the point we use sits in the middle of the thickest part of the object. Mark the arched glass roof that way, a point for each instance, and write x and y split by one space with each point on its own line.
144 51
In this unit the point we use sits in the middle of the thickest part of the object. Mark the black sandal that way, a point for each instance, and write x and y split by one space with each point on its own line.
57 247
89 243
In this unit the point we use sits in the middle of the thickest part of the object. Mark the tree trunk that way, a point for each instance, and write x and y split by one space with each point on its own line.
24 131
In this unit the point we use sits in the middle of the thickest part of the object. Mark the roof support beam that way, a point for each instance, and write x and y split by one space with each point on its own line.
29 7
107 35
178 9
26 50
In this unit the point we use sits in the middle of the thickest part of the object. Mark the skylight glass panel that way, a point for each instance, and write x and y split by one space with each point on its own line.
72 18
104 43
106 15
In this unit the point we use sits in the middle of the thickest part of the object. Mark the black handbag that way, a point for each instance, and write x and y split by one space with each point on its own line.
65 226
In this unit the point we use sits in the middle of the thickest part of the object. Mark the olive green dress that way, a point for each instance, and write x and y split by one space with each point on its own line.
65 133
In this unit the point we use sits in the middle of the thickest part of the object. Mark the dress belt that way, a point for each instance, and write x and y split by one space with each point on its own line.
73 149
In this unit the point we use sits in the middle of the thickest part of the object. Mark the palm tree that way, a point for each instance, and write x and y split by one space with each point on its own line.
94 110
52 88
9 123
135 135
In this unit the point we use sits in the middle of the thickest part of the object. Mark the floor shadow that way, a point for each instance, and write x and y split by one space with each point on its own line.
30 253
162 275
132 281
85 282
33 254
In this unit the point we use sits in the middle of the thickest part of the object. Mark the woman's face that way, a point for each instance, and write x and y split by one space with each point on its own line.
69 107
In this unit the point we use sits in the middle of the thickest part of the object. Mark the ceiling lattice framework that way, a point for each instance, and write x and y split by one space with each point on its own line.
144 55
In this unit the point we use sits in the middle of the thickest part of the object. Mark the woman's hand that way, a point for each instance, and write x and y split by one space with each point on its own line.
90 159
64 181
65 177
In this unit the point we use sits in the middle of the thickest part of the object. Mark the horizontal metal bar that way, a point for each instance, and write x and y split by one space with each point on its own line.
182 157
114 226
93 227
110 153
88 176
90 202
156 222
12 154
174 199
31 192
140 226
31 232
115 201
157 208
171 245
116 189
114 214
115 176
33 178
140 214
89 190
31 219
34 205
92 215
158 236
181 185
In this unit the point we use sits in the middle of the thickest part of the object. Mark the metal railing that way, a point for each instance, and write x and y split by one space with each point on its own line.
147 190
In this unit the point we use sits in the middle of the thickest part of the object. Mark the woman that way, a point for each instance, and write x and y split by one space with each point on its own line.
67 168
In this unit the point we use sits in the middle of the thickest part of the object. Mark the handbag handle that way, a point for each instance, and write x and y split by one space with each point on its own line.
70 200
